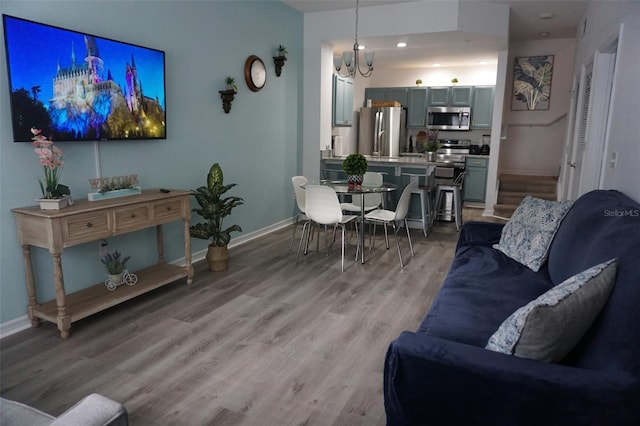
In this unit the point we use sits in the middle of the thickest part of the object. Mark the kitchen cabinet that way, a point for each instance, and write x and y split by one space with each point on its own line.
398 94
417 107
482 107
475 179
461 96
342 101
439 96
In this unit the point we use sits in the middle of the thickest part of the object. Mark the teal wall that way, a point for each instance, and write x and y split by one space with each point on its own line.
257 144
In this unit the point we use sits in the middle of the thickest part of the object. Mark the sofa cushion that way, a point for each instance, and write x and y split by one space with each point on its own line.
527 235
482 288
550 326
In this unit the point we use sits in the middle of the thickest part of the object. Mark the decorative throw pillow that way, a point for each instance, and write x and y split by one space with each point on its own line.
548 327
526 237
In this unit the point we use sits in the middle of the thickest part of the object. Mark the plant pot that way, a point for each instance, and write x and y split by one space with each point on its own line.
355 181
217 258
54 203
431 156
116 278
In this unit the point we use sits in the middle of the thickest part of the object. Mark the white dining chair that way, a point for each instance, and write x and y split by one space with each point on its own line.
395 218
371 201
299 192
323 208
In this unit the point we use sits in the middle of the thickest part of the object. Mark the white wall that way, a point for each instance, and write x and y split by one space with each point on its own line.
602 23
535 139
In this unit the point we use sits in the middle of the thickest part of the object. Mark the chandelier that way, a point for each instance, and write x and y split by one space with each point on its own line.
351 59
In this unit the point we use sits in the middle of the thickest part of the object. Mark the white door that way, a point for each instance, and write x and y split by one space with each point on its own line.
580 133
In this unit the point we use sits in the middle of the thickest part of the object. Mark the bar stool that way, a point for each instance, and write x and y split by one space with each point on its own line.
424 191
456 205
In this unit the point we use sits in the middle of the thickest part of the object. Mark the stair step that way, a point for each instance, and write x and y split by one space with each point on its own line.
504 210
515 197
529 184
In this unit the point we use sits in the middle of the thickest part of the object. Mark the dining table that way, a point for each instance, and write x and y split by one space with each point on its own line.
343 187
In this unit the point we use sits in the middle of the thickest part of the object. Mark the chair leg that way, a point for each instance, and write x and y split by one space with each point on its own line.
406 226
395 233
457 202
423 195
302 240
386 235
293 237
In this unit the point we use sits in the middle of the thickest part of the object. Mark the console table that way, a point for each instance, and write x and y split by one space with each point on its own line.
87 221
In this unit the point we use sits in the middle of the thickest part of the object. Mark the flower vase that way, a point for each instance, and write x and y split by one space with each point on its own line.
54 203
355 181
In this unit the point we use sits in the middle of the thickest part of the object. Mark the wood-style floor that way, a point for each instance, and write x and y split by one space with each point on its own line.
268 342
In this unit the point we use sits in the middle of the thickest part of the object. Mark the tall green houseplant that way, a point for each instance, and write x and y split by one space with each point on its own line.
214 208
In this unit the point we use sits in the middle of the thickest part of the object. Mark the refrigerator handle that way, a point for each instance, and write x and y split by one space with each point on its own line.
377 131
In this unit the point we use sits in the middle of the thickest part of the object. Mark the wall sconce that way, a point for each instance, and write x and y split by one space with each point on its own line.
228 95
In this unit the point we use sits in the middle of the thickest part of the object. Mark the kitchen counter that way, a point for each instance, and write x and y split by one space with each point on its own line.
409 160
477 155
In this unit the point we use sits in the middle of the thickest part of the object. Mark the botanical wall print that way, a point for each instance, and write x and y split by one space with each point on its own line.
532 83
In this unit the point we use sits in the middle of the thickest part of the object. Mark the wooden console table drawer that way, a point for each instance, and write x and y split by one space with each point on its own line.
87 221
86 227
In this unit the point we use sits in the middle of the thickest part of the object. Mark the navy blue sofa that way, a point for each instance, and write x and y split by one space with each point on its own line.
442 375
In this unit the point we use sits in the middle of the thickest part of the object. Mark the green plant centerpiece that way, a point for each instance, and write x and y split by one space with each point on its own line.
214 208
355 166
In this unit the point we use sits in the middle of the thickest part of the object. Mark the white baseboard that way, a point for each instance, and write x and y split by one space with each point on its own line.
22 323
13 326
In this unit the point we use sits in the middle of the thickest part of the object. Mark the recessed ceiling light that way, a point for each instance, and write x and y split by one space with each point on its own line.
402 44
436 65
547 15
543 34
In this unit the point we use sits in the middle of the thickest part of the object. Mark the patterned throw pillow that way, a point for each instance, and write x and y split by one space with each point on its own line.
526 237
548 327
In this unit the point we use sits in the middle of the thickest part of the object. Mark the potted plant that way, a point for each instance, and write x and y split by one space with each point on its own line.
454 80
116 265
54 194
214 208
279 59
355 166
431 146
231 83
418 82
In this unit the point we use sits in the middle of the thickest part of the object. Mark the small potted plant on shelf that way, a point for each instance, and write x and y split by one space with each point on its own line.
54 194
116 266
355 166
454 80
214 208
231 83
418 82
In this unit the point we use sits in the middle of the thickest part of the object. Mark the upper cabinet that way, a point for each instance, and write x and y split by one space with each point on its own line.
398 94
439 96
450 96
461 96
342 101
417 107
482 107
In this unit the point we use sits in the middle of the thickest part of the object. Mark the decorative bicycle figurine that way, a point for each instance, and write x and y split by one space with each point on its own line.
125 278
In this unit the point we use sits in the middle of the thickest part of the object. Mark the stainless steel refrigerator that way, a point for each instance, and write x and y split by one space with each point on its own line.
382 131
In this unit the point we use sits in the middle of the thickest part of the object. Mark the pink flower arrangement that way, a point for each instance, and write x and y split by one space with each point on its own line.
51 159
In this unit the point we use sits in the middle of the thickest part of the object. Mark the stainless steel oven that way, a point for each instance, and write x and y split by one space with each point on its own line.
450 164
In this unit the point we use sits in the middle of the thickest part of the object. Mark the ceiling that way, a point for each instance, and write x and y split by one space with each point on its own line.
454 49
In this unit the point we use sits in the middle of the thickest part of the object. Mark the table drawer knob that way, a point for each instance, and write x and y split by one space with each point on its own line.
89 224
168 208
133 215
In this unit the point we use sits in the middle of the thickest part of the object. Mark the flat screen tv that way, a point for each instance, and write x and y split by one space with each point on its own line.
75 86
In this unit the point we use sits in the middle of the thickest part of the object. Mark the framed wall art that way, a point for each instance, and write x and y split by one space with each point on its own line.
532 83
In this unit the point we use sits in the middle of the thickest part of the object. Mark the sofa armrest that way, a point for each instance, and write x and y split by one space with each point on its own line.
429 380
479 233
94 410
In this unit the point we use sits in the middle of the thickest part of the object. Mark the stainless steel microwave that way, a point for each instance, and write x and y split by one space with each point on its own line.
448 118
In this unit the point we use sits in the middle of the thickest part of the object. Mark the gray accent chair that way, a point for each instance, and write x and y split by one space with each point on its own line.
93 410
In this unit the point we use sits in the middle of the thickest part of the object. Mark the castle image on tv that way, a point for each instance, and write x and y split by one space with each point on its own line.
83 101
86 97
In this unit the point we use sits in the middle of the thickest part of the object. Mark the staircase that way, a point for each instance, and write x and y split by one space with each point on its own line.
513 188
